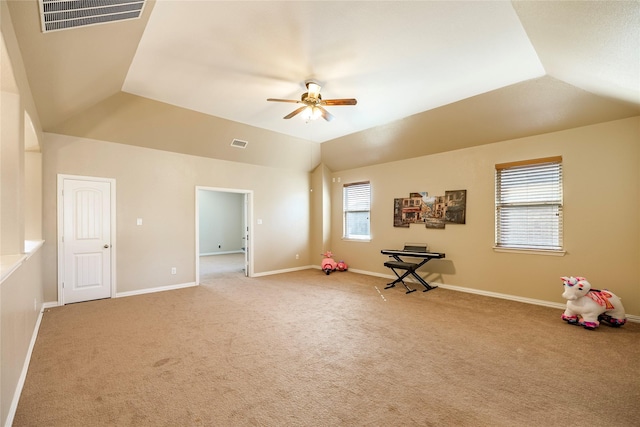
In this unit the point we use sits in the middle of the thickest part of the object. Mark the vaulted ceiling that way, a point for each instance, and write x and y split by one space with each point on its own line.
428 76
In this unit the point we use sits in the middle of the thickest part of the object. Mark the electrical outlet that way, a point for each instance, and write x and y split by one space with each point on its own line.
173 270
297 256
35 304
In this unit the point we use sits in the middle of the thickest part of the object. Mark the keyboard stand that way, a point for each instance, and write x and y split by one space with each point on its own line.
409 268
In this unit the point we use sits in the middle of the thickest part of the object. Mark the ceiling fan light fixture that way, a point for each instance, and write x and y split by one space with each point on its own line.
313 89
311 113
313 105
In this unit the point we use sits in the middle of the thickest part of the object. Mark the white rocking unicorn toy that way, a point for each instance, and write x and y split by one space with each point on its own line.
587 307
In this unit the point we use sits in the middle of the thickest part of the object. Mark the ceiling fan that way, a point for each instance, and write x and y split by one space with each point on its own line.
313 103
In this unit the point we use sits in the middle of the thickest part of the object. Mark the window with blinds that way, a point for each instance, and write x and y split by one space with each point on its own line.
529 204
356 207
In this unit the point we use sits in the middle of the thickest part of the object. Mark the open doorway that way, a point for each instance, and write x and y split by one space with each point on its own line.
223 233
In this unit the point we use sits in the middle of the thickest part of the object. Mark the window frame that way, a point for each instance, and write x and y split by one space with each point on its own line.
519 188
346 209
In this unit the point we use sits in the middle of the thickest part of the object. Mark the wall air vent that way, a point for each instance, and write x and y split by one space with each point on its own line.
239 143
65 14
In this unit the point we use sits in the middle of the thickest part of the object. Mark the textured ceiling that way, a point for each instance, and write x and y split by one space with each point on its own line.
396 58
512 68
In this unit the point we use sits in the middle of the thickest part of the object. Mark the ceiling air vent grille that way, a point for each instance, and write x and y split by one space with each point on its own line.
239 143
64 14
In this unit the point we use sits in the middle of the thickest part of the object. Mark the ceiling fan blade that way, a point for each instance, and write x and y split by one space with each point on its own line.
283 100
295 112
325 114
349 101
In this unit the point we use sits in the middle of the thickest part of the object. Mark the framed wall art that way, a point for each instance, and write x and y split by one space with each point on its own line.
432 211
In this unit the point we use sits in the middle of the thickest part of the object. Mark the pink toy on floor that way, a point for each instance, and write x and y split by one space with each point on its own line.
587 307
329 264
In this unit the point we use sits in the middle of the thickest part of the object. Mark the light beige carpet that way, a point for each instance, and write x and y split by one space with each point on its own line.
213 266
306 349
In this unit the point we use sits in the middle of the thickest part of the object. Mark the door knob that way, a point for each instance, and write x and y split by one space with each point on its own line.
106 246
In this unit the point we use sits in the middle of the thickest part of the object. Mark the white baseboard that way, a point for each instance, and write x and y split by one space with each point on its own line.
551 304
632 318
25 367
503 296
23 373
220 253
157 289
138 292
287 270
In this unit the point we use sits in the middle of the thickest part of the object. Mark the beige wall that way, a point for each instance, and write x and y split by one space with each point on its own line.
601 214
20 302
600 164
133 120
159 187
221 222
33 195
320 240
21 294
11 175
602 196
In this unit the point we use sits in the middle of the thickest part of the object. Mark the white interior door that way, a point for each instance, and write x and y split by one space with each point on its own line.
245 222
86 240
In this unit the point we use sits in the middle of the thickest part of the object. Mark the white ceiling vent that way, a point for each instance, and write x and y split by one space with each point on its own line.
239 143
64 14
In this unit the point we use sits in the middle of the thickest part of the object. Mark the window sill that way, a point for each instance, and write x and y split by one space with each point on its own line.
348 239
531 251
10 263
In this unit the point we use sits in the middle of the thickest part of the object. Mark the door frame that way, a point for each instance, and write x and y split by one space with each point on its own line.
248 213
60 229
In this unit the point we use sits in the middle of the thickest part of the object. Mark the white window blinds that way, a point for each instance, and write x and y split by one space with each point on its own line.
356 207
529 204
